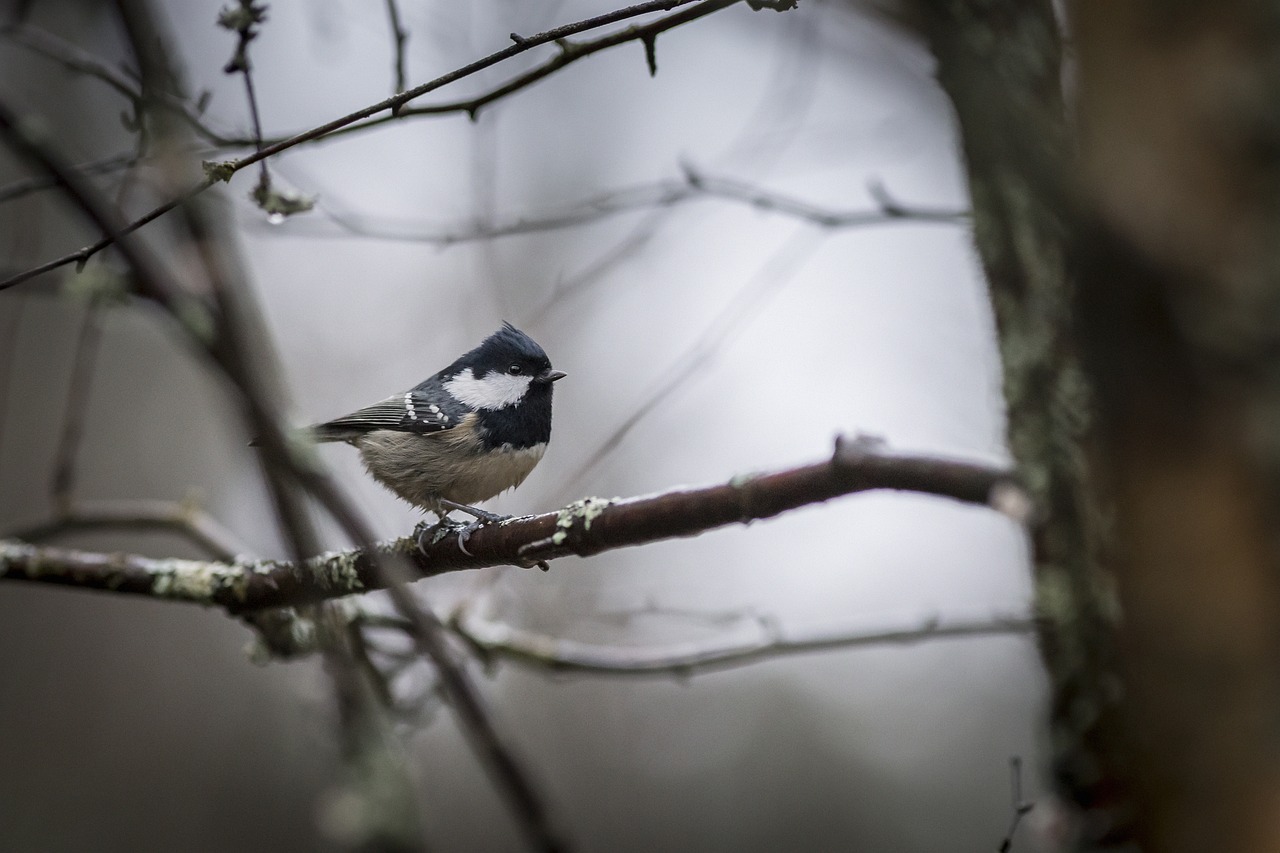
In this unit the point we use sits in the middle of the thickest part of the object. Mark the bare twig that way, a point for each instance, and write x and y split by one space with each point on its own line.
83 254
569 53
587 527
245 20
1020 806
399 36
496 640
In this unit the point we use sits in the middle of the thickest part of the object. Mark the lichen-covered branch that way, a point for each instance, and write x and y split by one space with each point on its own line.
589 526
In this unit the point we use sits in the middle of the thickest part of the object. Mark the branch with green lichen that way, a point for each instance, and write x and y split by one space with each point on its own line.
585 527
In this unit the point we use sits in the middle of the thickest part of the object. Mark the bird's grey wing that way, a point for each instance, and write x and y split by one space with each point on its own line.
409 412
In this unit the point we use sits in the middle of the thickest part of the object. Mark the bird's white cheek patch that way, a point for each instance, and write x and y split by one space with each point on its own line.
492 391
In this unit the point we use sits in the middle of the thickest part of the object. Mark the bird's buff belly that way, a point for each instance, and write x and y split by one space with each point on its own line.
422 469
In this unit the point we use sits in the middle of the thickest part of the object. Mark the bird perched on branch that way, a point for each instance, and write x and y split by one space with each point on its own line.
471 431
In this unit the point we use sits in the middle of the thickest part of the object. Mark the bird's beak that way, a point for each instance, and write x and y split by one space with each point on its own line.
549 376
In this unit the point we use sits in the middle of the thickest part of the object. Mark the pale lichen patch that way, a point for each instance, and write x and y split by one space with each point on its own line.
187 580
336 571
586 510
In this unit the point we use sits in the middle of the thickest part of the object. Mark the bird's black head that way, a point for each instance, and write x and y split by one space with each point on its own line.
508 351
507 369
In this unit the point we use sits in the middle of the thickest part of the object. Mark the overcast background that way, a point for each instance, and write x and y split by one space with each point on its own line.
132 725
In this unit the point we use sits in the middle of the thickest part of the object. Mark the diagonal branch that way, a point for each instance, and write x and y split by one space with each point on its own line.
394 106
589 526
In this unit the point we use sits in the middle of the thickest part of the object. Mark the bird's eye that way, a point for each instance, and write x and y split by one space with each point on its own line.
515 370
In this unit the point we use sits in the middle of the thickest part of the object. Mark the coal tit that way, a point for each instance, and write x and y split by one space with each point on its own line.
471 431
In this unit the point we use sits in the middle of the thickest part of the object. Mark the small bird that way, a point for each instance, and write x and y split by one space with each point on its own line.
471 431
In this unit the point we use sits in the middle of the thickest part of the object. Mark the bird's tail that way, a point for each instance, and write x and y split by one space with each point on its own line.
322 434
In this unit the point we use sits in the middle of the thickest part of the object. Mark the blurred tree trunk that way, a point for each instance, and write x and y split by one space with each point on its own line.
1180 319
1133 281
1000 63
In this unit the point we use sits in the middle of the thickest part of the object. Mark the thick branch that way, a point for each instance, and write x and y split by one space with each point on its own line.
586 527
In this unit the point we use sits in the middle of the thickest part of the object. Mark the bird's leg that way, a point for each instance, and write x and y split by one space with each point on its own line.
481 514
482 517
429 534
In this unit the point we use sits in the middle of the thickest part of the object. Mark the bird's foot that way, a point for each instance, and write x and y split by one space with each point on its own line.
427 534
465 533
482 517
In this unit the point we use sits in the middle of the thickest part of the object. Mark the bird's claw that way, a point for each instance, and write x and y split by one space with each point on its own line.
465 533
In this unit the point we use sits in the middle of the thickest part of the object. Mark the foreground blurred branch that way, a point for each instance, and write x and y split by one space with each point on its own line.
589 526
227 330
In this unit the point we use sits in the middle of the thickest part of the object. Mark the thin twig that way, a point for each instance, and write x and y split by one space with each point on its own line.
224 171
399 36
571 52
1020 806
245 21
587 527
83 254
